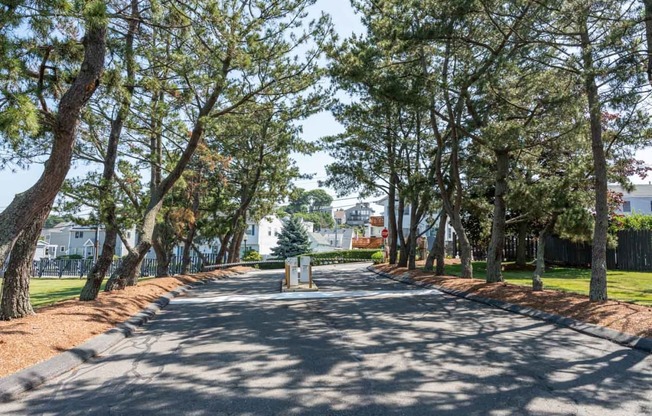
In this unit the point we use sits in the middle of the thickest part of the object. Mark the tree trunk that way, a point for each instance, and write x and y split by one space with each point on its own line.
26 207
521 245
440 255
648 36
412 238
192 230
187 247
95 277
598 285
163 257
15 287
430 260
495 252
404 250
391 217
129 270
108 208
537 283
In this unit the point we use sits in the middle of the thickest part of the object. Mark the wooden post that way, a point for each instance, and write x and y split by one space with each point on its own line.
310 277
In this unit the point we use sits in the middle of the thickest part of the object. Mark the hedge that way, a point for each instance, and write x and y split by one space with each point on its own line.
346 254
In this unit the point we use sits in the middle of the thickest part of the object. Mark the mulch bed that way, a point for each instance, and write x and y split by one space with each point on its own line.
60 327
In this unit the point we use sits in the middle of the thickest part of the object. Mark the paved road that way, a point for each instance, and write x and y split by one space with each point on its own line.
367 346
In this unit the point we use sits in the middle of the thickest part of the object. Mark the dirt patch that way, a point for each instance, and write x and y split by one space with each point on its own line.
60 327
620 316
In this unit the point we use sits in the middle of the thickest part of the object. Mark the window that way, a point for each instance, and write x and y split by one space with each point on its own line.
128 234
62 248
79 234
251 230
627 206
269 232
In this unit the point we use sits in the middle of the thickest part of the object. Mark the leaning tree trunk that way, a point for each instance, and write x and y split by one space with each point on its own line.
521 245
495 252
95 277
129 270
598 285
15 288
26 207
108 208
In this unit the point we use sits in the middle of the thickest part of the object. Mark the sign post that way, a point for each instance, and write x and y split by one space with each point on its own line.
385 234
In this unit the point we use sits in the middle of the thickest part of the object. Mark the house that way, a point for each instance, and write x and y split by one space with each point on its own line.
336 238
339 216
44 250
358 214
69 238
262 236
375 226
429 232
637 201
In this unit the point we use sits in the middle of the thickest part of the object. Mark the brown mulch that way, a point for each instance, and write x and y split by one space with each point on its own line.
620 316
60 327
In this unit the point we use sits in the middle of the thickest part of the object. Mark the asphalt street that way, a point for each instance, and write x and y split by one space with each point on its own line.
364 345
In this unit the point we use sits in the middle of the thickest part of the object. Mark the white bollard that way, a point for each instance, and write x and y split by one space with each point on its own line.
293 262
305 269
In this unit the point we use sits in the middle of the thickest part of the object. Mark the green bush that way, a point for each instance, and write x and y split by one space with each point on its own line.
252 255
378 257
271 264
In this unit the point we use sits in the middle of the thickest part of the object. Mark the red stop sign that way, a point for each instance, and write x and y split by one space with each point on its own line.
384 233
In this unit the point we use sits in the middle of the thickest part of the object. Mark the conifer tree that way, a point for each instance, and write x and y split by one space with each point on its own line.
293 240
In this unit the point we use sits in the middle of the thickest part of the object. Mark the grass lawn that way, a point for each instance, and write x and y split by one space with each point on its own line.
48 291
626 286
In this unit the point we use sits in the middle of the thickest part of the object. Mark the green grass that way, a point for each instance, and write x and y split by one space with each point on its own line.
625 286
48 291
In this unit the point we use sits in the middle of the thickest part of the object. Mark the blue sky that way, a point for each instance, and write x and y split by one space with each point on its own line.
316 126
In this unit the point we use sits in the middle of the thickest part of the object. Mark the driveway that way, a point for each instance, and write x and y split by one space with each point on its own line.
363 345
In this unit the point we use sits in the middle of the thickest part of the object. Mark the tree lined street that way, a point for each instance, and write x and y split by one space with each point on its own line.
390 349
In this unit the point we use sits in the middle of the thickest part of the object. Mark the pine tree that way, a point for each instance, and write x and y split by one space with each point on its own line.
293 240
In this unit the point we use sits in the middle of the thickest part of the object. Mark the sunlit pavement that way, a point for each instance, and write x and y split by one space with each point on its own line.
363 345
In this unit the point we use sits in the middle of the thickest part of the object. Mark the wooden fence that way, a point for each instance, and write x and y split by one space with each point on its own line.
634 251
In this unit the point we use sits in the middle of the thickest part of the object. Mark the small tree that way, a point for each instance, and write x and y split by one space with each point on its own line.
293 240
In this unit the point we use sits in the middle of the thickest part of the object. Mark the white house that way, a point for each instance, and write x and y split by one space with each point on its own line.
262 236
637 201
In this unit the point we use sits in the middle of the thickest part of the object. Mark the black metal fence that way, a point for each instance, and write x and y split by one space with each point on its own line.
80 267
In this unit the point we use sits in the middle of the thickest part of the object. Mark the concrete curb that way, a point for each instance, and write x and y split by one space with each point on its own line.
31 377
631 341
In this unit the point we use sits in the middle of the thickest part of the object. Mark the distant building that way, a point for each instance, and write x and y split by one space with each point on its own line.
359 214
423 227
638 201
339 216
68 238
